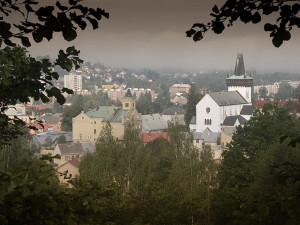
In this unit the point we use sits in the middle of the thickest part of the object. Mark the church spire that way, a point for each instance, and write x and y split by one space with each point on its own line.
239 65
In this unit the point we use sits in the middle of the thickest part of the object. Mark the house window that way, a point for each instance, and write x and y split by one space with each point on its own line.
95 131
82 117
80 136
126 104
230 112
94 122
132 104
197 141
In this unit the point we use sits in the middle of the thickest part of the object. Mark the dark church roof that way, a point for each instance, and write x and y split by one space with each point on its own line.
228 98
247 110
230 120
239 65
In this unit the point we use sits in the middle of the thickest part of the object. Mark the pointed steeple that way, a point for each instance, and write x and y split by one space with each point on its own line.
239 65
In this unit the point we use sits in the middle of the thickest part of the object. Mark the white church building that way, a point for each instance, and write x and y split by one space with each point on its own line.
227 108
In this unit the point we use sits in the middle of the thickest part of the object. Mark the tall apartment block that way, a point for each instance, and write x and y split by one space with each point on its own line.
73 82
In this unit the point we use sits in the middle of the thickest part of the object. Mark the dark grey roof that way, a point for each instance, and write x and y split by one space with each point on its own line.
228 98
174 110
230 120
40 138
153 122
193 120
247 110
51 119
229 130
88 147
239 65
207 137
71 148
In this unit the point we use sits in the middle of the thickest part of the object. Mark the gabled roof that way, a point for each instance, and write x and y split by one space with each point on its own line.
153 122
228 98
174 110
71 148
207 137
247 110
75 162
148 137
231 120
108 113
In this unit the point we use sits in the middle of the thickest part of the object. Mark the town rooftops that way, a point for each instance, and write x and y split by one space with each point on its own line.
181 85
108 113
228 98
75 162
260 103
41 138
174 110
71 148
153 122
149 136
231 120
207 137
247 110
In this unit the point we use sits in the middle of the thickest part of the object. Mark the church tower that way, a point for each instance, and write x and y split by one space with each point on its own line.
240 81
129 101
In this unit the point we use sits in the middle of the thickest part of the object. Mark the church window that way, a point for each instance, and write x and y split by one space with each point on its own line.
230 112
235 112
247 94
209 122
207 110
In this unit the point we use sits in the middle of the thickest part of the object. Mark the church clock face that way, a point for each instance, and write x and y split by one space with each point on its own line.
207 109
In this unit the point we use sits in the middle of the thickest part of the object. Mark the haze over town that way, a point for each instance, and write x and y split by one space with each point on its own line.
143 34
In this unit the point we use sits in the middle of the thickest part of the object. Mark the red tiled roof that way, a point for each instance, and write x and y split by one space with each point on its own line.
39 126
260 103
39 107
148 137
74 161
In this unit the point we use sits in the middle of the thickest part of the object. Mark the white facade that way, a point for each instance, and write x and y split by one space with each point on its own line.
210 116
244 91
73 82
272 89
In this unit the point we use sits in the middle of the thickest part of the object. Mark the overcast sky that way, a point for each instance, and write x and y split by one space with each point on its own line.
151 34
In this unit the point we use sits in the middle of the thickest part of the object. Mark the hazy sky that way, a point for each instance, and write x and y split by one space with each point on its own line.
151 34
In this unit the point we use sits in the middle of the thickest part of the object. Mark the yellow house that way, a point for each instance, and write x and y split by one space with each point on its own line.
88 126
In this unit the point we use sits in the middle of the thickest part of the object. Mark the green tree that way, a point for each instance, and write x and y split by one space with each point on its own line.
22 76
68 114
263 92
194 96
255 154
285 91
286 18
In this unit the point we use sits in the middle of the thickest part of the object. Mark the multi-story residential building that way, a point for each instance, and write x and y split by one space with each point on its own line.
272 89
73 82
179 88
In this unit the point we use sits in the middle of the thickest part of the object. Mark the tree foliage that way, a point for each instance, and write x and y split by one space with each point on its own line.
259 174
251 11
194 96
22 76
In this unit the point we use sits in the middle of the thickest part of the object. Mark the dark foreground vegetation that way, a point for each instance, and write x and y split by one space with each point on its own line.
257 182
